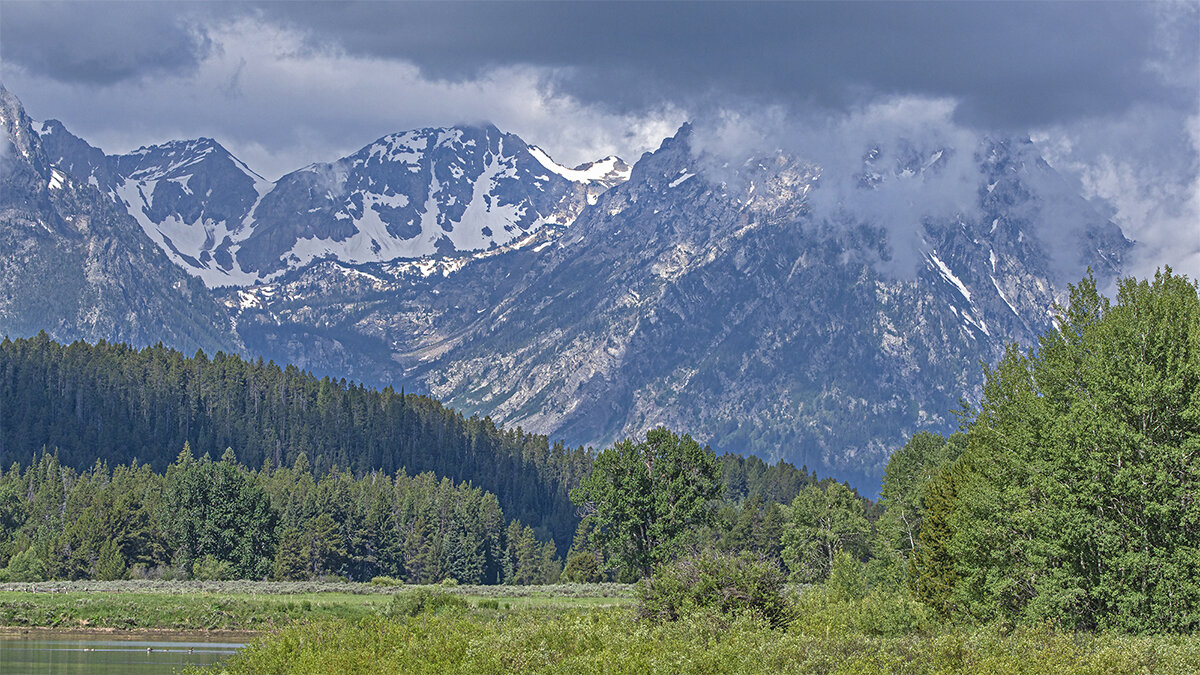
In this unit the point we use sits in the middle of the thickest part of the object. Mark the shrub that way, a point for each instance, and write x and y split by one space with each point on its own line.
718 582
826 610
386 581
209 568
420 600
846 577
488 604
581 568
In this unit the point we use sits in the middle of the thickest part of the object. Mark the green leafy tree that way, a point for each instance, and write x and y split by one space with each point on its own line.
647 499
291 556
1075 498
902 500
28 565
581 568
111 564
824 522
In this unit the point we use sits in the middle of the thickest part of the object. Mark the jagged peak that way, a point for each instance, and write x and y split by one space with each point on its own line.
611 168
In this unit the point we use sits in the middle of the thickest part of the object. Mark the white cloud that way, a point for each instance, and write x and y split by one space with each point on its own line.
901 130
279 104
1145 166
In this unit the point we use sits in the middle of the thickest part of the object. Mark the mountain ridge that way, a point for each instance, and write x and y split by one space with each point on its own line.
419 193
757 301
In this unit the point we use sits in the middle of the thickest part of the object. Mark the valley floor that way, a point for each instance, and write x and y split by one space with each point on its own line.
610 641
247 606
307 627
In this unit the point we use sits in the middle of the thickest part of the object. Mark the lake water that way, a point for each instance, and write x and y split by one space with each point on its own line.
77 655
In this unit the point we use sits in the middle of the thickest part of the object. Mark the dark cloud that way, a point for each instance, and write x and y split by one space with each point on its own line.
1111 90
101 43
1012 64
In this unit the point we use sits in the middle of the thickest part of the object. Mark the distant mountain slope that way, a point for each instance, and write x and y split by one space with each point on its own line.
76 265
756 302
737 311
432 191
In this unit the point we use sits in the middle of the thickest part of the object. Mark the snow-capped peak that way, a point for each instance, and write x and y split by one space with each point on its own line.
611 169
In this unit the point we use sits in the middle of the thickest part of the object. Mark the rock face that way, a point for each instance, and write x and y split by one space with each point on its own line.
75 264
420 193
752 306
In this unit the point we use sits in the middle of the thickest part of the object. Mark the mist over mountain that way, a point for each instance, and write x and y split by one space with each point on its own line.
815 301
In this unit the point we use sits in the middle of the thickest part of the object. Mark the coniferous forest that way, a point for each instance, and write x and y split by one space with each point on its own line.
285 476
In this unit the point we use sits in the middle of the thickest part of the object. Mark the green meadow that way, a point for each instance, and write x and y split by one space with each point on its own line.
251 605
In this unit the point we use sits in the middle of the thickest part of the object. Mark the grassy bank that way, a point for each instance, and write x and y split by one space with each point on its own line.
249 606
610 641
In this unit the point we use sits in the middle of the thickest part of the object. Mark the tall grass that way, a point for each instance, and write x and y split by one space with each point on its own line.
613 641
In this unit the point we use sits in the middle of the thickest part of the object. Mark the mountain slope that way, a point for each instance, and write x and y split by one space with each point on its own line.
426 192
762 303
432 191
76 265
737 311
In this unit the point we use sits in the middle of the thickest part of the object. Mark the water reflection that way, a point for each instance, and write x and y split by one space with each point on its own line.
75 656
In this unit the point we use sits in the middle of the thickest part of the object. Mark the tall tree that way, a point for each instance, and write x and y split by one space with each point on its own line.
824 522
646 499
1076 496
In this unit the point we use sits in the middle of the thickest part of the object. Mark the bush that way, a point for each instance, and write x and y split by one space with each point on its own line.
827 610
420 600
718 582
581 568
386 581
209 568
488 604
846 580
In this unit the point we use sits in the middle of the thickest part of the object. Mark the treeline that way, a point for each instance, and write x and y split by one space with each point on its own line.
209 519
112 403
1072 493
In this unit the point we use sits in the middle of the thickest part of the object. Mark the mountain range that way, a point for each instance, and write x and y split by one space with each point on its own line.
726 299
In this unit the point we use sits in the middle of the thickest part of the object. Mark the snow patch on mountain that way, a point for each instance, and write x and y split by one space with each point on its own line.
604 169
194 199
949 276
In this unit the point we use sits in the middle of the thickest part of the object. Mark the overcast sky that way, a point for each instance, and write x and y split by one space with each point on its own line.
1109 90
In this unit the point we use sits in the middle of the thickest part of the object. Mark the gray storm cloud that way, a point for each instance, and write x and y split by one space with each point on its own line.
1109 90
892 164
96 43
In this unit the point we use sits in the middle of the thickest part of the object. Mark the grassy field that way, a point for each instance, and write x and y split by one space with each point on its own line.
250 606
348 628
611 641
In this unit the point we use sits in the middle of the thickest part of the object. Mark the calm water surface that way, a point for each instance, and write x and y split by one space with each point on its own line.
98 656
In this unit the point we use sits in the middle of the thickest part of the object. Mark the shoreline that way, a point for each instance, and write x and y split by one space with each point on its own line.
174 635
